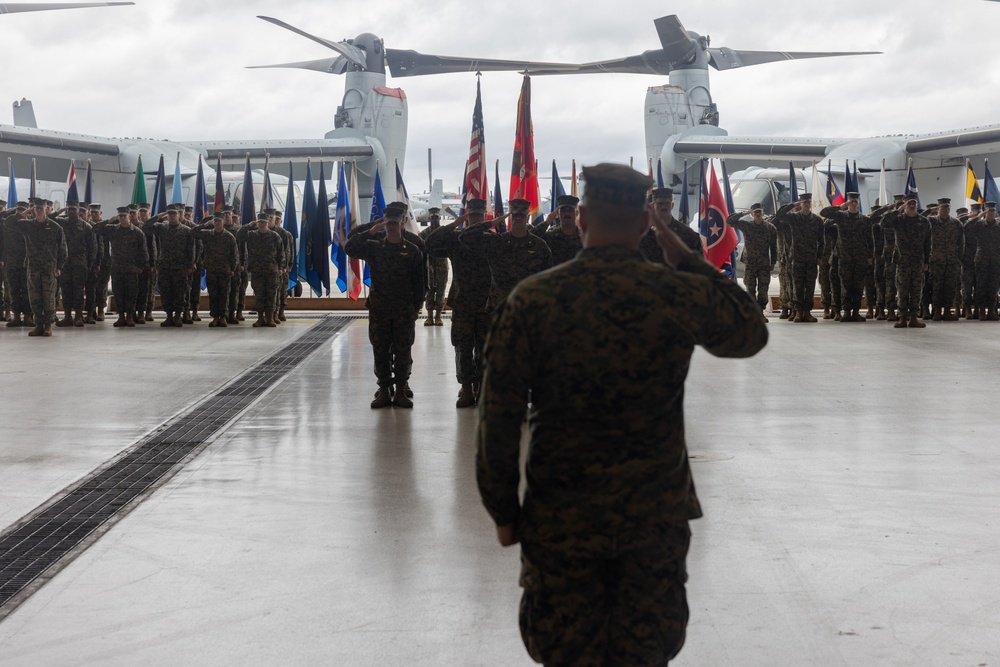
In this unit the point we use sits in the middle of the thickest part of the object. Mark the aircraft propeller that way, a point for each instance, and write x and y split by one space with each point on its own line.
18 7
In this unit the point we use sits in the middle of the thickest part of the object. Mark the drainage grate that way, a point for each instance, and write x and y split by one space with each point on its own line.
42 540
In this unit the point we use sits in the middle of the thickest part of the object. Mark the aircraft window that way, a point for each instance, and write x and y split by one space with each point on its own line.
746 193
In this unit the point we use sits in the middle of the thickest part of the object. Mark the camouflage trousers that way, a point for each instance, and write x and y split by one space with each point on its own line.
969 284
103 281
264 284
804 282
825 291
126 290
154 276
987 282
909 287
468 333
878 276
235 281
853 274
871 292
944 281
42 287
437 284
143 287
73 283
173 285
628 608
17 280
890 283
5 299
194 290
391 333
241 291
90 291
218 283
757 280
785 280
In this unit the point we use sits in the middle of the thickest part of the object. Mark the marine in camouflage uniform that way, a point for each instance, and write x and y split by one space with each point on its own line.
911 232
603 344
192 286
784 227
986 236
104 272
662 201
564 240
147 277
468 299
969 310
15 272
854 252
129 258
288 242
807 248
397 291
241 291
513 255
878 251
174 265
91 290
437 275
222 261
232 225
946 252
828 274
45 255
265 257
81 244
760 252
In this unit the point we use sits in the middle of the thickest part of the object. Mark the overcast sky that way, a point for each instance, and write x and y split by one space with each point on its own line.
175 69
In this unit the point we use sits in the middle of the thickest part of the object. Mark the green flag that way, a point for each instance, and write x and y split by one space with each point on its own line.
139 187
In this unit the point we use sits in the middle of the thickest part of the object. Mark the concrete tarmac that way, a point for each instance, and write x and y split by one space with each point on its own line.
848 473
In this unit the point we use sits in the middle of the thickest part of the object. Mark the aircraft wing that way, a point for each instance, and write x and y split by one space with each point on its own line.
756 148
18 7
15 139
296 150
956 144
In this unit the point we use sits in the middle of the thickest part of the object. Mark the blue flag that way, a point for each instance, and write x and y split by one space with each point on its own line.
177 194
11 184
557 188
159 203
88 189
793 184
990 190
309 206
497 194
684 210
911 184
337 253
200 197
659 173
248 212
291 222
321 238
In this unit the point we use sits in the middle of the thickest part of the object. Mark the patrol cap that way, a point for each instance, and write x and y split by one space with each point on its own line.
567 200
189 209
144 206
219 215
3 203
133 207
975 206
519 206
395 210
910 197
123 209
36 201
662 194
615 184
434 210
961 210
23 204
173 208
756 207
990 205
853 196
898 198
95 207
806 196
49 202
475 206
944 201
72 204
227 208
263 217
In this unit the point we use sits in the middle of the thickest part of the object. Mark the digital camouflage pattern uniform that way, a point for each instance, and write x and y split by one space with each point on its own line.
651 250
603 344
241 244
82 248
437 275
45 253
511 258
397 291
945 262
236 280
784 228
15 270
288 243
265 257
92 289
986 236
468 299
878 252
129 258
176 257
829 274
147 277
564 247
193 293
222 261
854 252
760 254
969 264
807 247
912 242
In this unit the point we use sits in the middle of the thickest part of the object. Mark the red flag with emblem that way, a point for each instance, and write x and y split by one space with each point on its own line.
719 239
523 171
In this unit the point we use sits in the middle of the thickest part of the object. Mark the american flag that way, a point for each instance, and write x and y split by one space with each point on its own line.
476 185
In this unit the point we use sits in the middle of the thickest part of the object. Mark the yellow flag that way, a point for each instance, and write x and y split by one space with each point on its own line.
972 192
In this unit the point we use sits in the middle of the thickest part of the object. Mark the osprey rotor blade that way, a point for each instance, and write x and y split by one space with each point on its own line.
726 59
353 54
336 65
19 7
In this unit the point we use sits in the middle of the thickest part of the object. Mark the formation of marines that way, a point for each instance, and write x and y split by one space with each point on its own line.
907 265
76 252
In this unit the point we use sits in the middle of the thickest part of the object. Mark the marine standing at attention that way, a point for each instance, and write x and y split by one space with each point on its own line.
603 343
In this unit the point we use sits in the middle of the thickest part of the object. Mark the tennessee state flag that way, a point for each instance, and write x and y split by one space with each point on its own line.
719 239
524 169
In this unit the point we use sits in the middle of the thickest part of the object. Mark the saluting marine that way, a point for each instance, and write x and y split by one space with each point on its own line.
807 247
662 202
222 261
911 232
760 251
129 258
437 274
854 253
45 255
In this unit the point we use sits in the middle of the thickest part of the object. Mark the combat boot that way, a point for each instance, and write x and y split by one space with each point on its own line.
100 315
796 317
966 312
429 322
29 320
274 318
239 316
807 317
466 397
15 321
6 314
148 316
784 314
915 323
260 321
880 314
47 331
89 317
78 320
268 322
383 398
925 313
214 323
937 316
838 316
169 322
991 314
186 318
120 322
138 318
130 321
858 317
827 315
975 313
892 316
281 315
232 318
37 331
222 322
400 399
66 321
950 315
195 317
177 320
869 314
438 322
